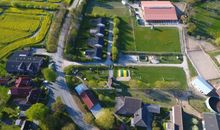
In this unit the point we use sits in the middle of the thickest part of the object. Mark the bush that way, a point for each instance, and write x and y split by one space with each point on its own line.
106 119
217 41
53 37
37 111
167 84
49 74
88 118
191 28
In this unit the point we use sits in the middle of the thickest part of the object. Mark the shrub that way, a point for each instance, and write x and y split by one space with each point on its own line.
106 119
191 28
37 111
49 74
88 118
167 84
217 41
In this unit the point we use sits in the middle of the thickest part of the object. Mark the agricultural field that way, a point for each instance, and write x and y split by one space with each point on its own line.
17 26
21 28
206 17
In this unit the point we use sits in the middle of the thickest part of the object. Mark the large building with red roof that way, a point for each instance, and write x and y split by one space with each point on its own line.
159 12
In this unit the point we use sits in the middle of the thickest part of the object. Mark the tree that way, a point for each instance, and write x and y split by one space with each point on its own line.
191 28
37 111
217 41
114 53
49 74
88 118
92 83
106 119
69 126
58 106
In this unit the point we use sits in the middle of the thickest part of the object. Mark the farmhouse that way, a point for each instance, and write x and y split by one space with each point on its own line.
202 85
141 113
159 12
24 62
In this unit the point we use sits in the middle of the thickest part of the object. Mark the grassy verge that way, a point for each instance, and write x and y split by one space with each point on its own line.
198 104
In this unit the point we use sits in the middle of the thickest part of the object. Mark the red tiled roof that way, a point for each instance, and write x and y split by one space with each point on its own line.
88 99
158 10
22 82
20 92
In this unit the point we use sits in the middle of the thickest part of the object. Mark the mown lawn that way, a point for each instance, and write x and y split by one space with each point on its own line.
207 18
157 40
149 75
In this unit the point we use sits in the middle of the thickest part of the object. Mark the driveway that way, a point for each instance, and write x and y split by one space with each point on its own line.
202 62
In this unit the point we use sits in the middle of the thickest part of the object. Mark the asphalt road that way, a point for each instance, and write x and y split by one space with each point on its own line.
60 88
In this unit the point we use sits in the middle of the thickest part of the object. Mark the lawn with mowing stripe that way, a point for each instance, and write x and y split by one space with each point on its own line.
149 75
161 39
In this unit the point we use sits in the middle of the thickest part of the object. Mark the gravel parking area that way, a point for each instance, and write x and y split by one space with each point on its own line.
204 65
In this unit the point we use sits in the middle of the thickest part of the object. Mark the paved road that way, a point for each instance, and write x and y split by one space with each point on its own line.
59 88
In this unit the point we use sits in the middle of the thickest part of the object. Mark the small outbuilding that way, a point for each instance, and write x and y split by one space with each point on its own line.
202 85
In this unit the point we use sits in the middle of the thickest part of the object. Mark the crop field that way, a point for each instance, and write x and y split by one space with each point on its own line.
22 27
206 17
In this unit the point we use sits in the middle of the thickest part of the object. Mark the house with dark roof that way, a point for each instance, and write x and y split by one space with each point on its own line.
142 118
23 62
4 81
141 113
99 31
98 22
33 96
211 121
22 87
127 106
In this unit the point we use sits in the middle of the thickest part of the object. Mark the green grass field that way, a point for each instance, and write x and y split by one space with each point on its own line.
156 40
149 75
207 18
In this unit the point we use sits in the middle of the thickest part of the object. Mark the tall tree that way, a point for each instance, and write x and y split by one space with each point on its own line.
37 111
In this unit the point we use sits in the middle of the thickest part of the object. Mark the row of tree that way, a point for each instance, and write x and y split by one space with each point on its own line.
76 15
53 37
116 22
30 4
